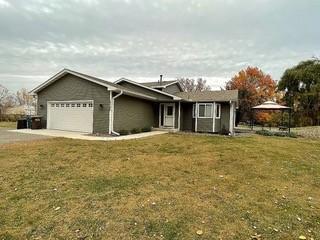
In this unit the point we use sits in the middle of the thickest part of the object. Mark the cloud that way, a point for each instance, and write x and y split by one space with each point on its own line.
142 39
4 4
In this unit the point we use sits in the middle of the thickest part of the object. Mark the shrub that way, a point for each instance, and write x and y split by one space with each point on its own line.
136 130
146 129
285 134
264 133
123 132
276 134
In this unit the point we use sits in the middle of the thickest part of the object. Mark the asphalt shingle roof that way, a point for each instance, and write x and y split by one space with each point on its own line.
219 96
222 96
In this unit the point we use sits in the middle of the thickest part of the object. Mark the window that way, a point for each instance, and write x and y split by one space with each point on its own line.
52 105
62 104
72 105
67 105
218 110
90 105
78 105
169 110
204 110
84 105
57 105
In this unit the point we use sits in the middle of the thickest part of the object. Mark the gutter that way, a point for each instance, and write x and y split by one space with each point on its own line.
112 112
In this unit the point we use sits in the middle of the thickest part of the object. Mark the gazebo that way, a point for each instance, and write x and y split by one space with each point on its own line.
273 106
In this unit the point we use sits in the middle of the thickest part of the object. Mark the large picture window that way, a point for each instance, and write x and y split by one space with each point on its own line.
204 110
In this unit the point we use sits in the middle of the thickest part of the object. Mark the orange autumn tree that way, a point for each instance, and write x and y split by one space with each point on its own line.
255 87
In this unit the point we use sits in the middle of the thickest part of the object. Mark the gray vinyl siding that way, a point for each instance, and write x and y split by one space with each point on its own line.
224 120
172 89
176 115
187 117
145 91
205 124
70 88
130 113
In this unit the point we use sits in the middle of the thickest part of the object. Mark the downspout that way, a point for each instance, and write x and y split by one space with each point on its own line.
112 111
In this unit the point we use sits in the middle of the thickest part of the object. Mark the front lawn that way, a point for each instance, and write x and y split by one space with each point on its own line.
164 187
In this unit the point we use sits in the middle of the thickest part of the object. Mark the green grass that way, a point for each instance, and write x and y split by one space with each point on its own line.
8 125
164 187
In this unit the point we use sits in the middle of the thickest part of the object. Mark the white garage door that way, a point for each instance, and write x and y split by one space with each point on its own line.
70 116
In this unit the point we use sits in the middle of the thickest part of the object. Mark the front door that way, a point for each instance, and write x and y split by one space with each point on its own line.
168 120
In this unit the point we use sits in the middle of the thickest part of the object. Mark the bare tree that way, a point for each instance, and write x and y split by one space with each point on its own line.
6 99
192 85
23 97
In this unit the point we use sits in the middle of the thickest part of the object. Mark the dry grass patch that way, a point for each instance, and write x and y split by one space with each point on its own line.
8 125
164 187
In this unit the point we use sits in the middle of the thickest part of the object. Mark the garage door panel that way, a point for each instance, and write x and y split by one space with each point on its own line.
77 116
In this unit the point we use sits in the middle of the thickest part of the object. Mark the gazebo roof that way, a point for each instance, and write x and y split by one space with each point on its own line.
269 105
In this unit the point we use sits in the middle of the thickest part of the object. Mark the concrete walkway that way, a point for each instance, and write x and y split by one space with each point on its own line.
85 136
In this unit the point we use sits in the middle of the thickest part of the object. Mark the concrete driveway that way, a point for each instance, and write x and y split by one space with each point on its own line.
84 136
9 136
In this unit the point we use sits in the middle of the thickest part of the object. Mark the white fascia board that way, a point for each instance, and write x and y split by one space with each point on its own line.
64 72
149 88
175 83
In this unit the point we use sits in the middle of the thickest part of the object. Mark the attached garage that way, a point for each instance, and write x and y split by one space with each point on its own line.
70 115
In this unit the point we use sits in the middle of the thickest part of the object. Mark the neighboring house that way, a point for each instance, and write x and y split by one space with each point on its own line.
78 102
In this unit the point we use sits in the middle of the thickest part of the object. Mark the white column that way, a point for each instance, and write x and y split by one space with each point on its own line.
110 112
196 118
231 120
179 116
214 117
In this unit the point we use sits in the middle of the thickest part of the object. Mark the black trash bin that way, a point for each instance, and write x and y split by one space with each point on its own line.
36 122
22 123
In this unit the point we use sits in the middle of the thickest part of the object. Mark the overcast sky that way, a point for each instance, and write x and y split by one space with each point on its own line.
140 39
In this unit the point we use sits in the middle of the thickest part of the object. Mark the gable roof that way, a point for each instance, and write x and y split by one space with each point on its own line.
146 87
164 84
218 96
65 71
109 85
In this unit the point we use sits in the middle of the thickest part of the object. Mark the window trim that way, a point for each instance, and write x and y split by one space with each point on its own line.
198 115
216 111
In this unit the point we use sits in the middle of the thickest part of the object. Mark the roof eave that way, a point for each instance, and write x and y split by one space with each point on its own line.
149 88
62 73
